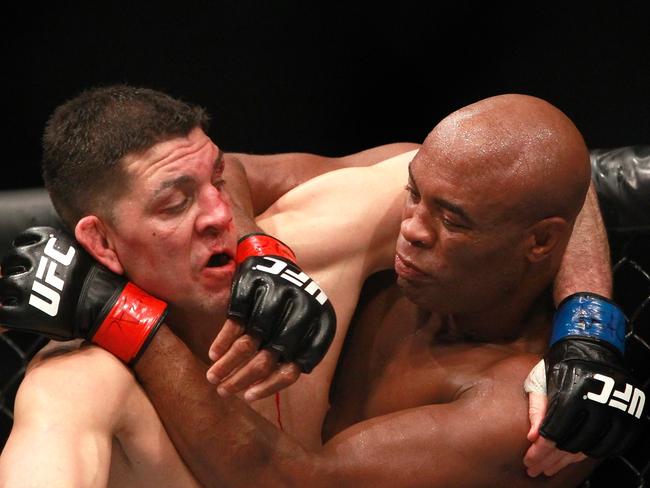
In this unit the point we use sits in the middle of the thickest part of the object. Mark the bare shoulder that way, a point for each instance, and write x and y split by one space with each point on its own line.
354 212
344 183
63 374
72 356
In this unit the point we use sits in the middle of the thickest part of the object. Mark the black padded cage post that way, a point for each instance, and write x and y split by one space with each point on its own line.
622 180
19 209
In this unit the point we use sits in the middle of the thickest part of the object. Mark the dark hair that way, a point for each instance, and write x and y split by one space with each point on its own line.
87 137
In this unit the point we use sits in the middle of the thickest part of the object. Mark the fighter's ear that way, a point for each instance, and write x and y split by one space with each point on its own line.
91 233
544 237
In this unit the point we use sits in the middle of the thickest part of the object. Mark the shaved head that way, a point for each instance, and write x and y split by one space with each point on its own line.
522 147
494 192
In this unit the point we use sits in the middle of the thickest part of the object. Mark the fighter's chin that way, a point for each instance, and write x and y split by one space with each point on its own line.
416 293
409 289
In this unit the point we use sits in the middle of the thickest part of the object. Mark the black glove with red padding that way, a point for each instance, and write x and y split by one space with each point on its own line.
595 406
51 286
279 303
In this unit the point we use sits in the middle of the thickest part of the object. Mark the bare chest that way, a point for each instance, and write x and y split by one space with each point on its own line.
393 361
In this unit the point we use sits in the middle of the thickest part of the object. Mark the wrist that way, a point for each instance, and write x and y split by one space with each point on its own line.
258 244
590 316
130 323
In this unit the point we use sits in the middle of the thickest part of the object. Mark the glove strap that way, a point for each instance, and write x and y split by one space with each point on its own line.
262 245
590 315
131 324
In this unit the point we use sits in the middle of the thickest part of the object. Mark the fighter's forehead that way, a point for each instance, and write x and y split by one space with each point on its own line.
181 153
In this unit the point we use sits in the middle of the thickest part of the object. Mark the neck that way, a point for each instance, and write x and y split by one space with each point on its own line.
515 318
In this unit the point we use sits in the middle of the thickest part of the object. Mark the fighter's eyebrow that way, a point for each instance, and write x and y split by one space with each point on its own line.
175 182
454 209
447 205
186 179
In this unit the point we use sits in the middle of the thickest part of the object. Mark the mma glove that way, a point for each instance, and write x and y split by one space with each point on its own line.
594 405
51 286
279 303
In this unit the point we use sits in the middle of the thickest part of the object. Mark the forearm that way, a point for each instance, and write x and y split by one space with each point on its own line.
222 440
241 200
586 264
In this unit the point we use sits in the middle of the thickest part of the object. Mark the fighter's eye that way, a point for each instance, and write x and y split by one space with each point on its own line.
177 207
452 225
219 183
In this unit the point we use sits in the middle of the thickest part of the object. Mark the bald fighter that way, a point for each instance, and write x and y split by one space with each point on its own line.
163 332
429 387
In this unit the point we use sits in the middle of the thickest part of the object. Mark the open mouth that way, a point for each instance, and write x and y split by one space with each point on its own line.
218 260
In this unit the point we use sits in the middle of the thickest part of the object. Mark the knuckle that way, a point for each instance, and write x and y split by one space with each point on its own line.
245 345
289 373
218 348
260 369
217 370
265 362
261 365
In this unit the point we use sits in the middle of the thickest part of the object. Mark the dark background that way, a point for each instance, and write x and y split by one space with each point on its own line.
325 77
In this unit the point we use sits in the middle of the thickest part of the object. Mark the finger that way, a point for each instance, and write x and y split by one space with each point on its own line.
594 427
320 338
286 375
228 334
263 364
562 422
292 330
548 461
242 350
537 403
3 330
268 313
564 461
538 451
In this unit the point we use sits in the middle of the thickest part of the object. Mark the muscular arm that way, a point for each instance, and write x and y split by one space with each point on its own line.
272 176
477 439
585 265
241 201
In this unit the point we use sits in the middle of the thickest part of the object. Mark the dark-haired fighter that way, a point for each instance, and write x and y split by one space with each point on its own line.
285 460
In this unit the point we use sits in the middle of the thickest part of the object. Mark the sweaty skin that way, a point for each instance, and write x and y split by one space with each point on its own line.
302 412
473 249
123 439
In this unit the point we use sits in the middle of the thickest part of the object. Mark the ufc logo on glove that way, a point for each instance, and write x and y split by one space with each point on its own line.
631 400
279 267
55 283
